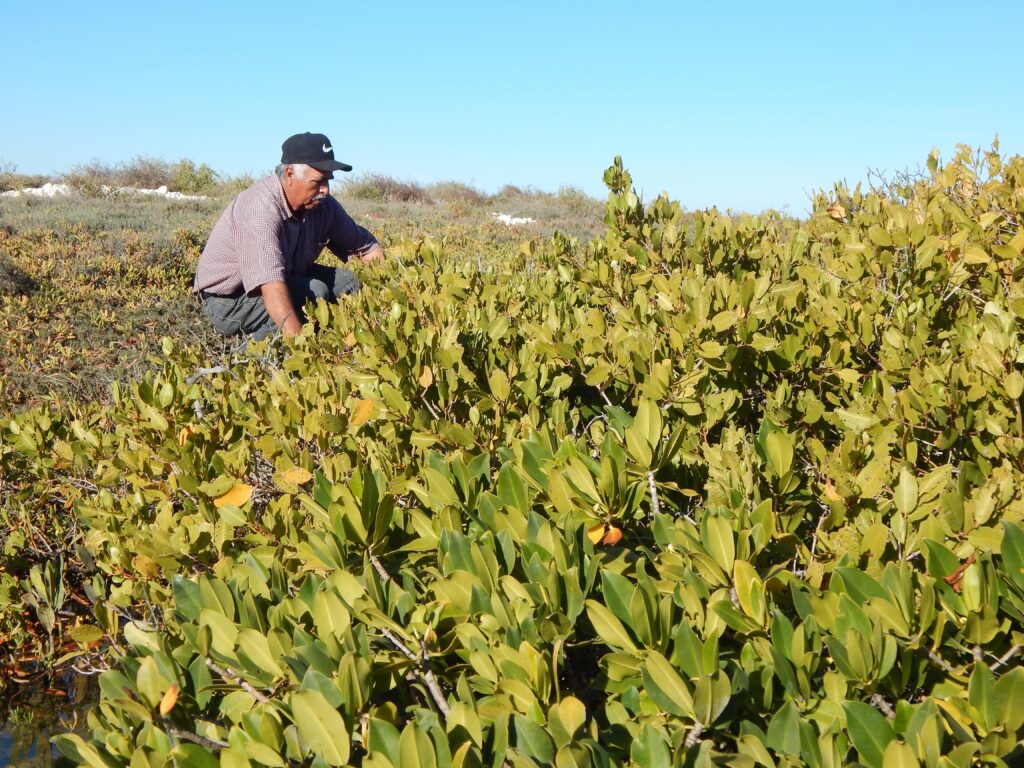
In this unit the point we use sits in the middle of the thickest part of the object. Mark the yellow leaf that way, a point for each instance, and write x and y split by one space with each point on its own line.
237 496
186 432
298 475
361 412
146 566
169 699
596 532
350 340
426 377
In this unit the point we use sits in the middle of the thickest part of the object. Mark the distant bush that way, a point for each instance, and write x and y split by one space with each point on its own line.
513 192
142 173
232 185
379 186
11 179
456 191
576 200
186 176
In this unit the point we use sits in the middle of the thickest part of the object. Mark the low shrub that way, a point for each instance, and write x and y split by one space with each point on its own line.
456 191
380 186
10 179
186 176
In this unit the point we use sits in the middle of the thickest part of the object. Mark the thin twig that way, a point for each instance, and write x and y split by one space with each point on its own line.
655 504
882 705
228 674
1007 656
195 738
200 372
422 669
379 567
941 662
430 407
694 736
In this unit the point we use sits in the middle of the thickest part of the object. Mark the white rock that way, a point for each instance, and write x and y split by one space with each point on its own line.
510 220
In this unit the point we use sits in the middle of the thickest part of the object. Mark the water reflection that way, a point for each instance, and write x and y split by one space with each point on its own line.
31 715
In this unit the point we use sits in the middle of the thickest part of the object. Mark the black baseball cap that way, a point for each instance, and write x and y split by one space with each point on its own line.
312 149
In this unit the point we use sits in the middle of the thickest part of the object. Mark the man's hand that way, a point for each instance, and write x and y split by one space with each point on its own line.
279 307
374 253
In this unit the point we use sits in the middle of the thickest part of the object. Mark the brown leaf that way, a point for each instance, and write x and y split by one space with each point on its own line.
957 576
361 412
613 536
237 496
836 211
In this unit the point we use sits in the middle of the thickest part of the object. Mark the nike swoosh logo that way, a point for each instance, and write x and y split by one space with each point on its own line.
328 149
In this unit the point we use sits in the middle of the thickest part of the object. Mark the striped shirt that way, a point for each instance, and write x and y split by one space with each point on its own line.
259 240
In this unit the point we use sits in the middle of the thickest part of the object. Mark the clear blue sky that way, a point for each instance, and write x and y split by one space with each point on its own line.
744 105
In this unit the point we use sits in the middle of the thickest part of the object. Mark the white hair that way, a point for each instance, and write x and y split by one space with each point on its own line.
299 169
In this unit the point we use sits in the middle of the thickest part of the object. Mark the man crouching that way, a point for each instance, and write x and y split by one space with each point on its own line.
259 266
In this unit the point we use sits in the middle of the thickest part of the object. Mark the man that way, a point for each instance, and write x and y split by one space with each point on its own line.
258 267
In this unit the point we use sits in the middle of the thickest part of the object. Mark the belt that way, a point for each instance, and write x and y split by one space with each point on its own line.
236 295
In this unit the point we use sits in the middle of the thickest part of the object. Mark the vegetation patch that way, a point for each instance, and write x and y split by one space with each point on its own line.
703 490
14 282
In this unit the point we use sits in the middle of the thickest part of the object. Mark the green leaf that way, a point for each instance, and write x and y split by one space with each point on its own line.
778 448
565 718
1013 552
1008 698
618 592
188 599
415 750
749 590
650 750
320 726
717 537
644 434
869 731
384 739
855 421
899 755
665 687
533 740
224 630
980 695
784 730
905 495
86 634
256 646
83 753
608 628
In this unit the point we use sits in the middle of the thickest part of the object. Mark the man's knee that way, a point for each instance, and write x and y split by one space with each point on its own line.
345 282
320 290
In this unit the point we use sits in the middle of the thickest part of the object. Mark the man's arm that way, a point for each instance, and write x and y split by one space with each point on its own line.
279 307
373 253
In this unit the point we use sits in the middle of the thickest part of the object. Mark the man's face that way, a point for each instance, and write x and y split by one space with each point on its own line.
305 194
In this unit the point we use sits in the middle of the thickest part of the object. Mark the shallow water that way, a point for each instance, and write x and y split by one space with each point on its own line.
31 715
